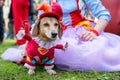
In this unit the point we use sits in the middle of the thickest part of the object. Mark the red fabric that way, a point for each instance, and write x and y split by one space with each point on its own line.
95 32
33 50
50 14
114 7
27 37
20 10
56 9
76 17
48 64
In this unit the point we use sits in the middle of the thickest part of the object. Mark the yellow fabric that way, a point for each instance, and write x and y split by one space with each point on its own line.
28 59
85 24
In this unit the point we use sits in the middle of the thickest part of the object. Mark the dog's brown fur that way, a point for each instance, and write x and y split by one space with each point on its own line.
47 24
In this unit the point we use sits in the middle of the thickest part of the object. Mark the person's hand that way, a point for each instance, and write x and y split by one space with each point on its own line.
2 2
88 36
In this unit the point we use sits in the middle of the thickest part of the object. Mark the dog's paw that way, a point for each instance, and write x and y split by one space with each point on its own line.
50 71
65 46
31 72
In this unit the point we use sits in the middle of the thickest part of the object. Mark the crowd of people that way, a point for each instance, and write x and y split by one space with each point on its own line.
91 47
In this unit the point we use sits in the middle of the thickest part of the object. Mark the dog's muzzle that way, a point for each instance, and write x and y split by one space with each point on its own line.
53 34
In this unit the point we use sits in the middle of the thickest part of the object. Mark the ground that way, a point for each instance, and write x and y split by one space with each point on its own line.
12 71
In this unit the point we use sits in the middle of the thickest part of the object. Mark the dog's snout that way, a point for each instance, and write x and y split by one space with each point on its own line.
53 34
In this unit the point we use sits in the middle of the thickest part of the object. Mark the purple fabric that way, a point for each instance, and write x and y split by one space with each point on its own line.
11 54
101 54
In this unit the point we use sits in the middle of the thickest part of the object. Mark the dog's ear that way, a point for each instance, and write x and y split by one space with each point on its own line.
60 31
36 28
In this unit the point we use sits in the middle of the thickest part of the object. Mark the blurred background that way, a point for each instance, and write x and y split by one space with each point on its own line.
8 27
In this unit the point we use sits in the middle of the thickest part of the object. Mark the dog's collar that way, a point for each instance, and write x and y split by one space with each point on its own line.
45 44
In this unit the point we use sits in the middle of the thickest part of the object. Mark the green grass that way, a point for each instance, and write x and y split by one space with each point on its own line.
12 71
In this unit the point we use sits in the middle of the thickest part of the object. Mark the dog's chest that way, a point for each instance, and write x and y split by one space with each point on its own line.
44 51
35 49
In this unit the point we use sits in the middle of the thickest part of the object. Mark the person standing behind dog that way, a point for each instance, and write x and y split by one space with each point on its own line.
90 48
1 21
20 9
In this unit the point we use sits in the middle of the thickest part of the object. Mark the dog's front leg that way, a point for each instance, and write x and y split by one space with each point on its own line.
50 70
31 69
31 72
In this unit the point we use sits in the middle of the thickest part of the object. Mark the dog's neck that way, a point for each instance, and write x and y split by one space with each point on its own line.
44 43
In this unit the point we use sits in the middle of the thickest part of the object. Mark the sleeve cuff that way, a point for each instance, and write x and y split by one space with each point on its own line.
29 66
106 17
49 67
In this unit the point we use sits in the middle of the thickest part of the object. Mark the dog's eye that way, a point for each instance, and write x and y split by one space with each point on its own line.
56 24
46 24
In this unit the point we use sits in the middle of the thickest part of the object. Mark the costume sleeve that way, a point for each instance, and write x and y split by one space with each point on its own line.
27 37
59 46
97 9
49 64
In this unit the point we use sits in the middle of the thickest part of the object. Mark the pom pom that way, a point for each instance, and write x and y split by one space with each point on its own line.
20 34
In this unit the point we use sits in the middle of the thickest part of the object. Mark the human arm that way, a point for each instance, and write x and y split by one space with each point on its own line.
90 35
103 15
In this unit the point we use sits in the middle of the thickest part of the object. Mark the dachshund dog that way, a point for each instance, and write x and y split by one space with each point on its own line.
40 49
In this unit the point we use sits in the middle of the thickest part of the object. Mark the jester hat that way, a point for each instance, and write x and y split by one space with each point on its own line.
45 10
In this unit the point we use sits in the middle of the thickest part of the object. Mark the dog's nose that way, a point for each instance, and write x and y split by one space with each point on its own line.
53 34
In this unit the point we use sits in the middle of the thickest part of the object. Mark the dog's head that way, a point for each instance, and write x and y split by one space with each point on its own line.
47 28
